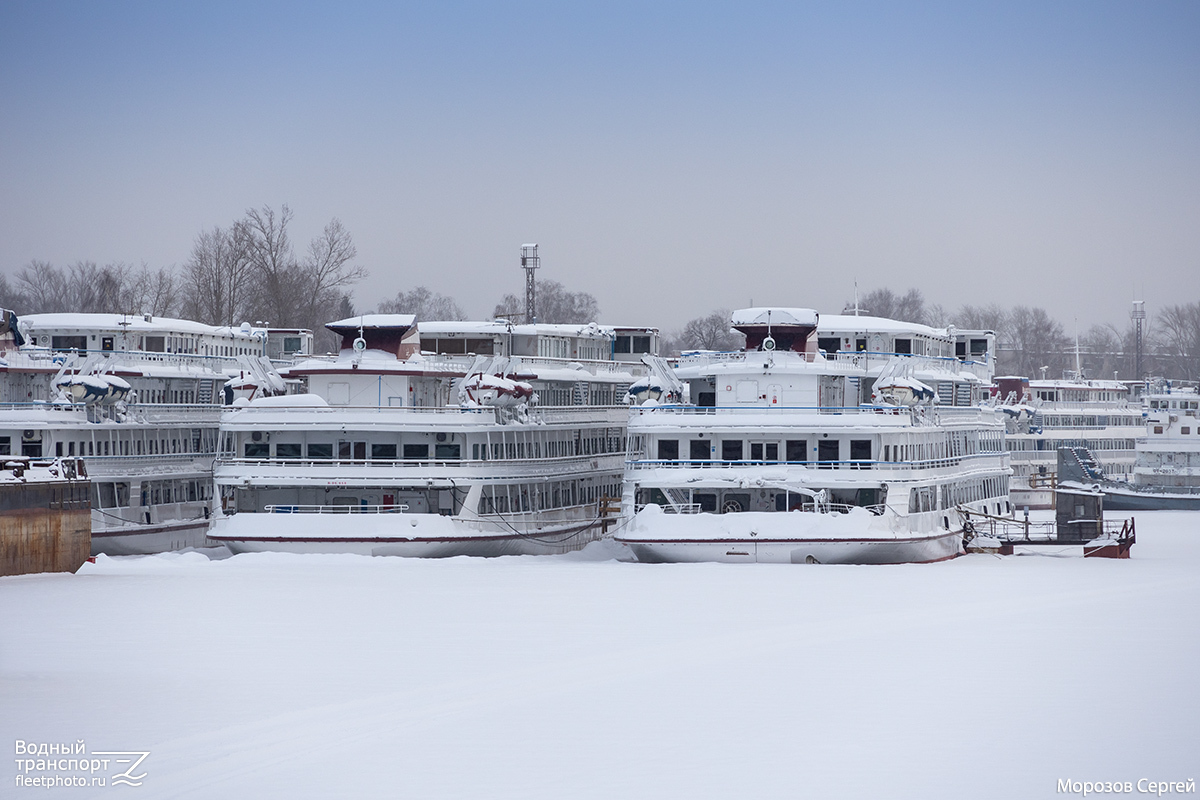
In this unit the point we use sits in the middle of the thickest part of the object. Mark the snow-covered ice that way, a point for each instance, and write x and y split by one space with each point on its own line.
580 676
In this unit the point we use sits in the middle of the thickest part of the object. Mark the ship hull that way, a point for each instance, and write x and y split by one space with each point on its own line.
1118 500
410 536
917 550
131 540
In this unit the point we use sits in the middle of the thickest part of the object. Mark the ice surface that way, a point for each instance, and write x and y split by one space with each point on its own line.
272 675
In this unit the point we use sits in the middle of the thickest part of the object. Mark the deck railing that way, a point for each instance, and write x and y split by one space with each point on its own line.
854 464
335 509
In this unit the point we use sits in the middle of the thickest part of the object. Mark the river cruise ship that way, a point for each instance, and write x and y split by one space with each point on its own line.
1042 416
792 453
1166 471
138 398
434 439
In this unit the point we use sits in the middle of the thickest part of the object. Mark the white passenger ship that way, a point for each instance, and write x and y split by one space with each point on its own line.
1044 415
1166 472
138 398
789 453
437 439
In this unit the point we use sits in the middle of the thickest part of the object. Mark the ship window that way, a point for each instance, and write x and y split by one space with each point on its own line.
731 450
1158 429
5 445
903 346
668 449
827 450
258 450
621 344
978 347
68 342
764 451
481 347
291 344
1185 430
707 399
447 451
107 494
796 451
383 452
287 451
352 450
641 344
156 344
860 449
699 450
320 450
830 344
707 502
416 451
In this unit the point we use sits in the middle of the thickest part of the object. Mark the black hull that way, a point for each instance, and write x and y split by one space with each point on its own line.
1162 500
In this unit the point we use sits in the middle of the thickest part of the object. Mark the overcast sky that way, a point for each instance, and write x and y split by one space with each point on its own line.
669 158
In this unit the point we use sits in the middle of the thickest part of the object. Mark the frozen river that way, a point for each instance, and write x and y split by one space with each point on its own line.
275 675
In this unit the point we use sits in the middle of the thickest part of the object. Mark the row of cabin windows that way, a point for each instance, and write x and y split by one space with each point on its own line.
1190 406
597 444
542 496
353 451
106 447
795 451
908 346
826 450
950 495
1052 445
631 344
1088 420
1186 429
584 442
116 494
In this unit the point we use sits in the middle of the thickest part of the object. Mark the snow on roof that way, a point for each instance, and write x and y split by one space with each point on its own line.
1075 384
764 315
130 322
375 321
864 324
501 327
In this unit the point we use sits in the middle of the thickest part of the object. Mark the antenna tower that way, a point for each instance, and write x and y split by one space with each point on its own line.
530 262
1138 314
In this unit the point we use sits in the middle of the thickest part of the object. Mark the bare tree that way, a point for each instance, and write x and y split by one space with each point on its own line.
424 304
554 305
10 298
277 285
157 291
43 286
982 318
326 272
886 303
1179 340
218 277
83 286
1034 341
711 332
